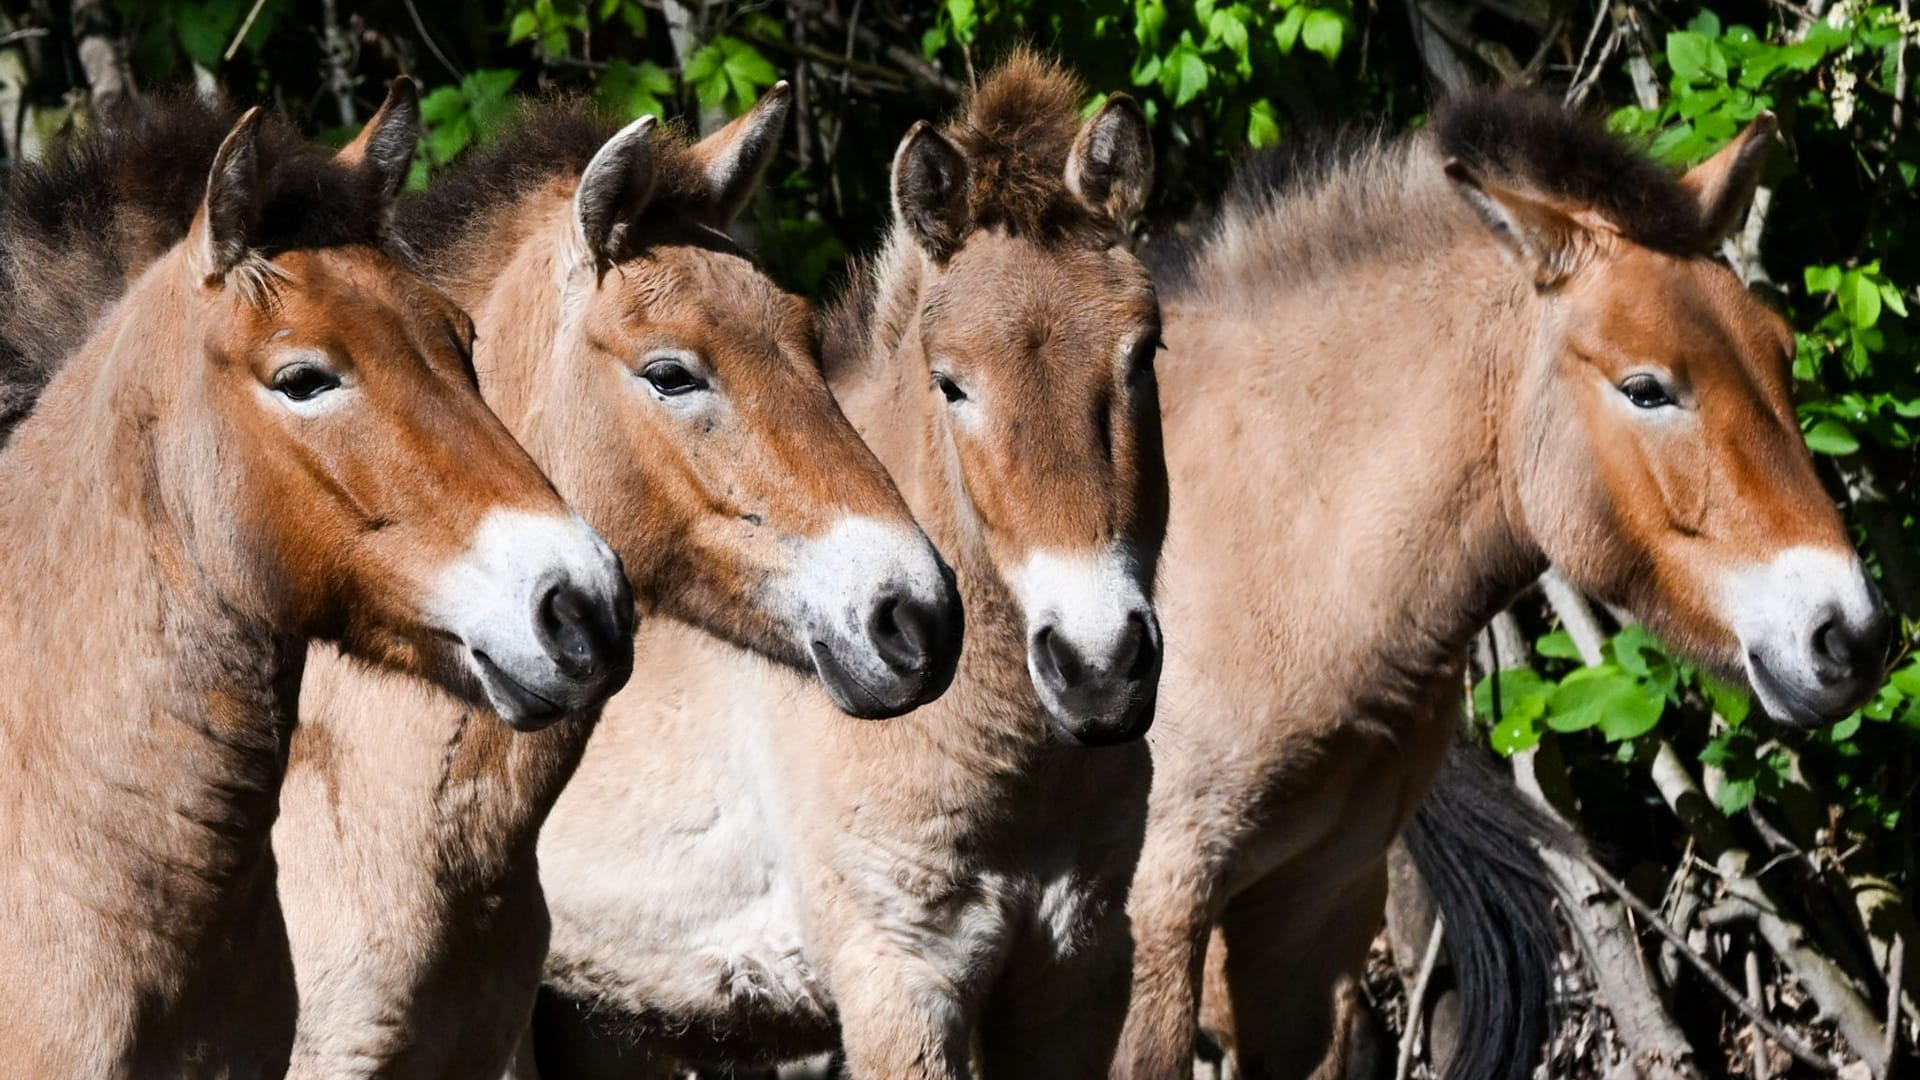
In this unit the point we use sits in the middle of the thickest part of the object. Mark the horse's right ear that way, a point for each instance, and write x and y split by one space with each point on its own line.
383 150
1545 239
1110 168
221 235
614 190
930 189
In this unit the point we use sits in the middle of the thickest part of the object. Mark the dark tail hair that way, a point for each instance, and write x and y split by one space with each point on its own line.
1473 841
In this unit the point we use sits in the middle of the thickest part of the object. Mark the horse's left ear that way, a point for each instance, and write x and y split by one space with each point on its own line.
1544 238
384 148
734 158
1723 184
1111 165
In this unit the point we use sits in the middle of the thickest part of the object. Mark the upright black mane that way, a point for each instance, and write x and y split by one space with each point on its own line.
1534 141
548 140
1358 192
77 227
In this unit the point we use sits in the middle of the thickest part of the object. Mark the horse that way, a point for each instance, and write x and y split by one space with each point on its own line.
270 437
674 394
785 879
1403 378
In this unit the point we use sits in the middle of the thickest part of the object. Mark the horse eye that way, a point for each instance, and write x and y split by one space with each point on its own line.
670 378
948 388
1646 392
303 382
1140 366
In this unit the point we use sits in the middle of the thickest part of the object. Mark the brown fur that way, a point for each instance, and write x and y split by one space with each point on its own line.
1382 420
173 538
407 838
76 228
958 873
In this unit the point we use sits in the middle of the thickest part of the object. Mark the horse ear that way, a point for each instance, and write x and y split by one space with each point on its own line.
1723 184
930 189
1549 241
734 158
384 148
1111 165
222 230
614 190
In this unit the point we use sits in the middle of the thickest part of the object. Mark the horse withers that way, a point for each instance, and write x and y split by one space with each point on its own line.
272 437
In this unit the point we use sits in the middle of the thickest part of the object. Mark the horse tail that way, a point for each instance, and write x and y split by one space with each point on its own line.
1473 840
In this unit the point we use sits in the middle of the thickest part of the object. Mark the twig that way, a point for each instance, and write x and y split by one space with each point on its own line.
1756 993
1416 1001
1896 974
1711 974
1580 66
432 46
339 55
246 27
12 37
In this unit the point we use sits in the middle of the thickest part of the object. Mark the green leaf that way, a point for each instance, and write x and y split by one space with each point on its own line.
1148 17
1823 279
1323 31
1735 796
1728 699
1687 53
1521 690
1189 75
1832 438
1557 645
1604 697
1859 299
1517 731
1262 128
523 26
1287 33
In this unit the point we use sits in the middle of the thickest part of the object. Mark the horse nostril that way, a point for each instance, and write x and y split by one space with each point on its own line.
568 630
902 631
1138 653
1062 662
1831 648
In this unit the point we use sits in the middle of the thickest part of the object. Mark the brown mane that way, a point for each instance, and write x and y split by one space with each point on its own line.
1016 130
75 228
438 229
1294 212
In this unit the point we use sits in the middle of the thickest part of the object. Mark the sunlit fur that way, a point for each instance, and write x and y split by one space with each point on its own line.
408 824
171 537
1383 417
786 877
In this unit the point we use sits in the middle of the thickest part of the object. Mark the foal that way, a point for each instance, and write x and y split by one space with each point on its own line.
959 872
673 393
1402 384
272 437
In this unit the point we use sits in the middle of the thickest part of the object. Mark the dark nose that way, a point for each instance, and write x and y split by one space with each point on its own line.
1102 699
1847 654
583 636
918 639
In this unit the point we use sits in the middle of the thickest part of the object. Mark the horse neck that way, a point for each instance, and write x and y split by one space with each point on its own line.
886 397
1378 441
154 713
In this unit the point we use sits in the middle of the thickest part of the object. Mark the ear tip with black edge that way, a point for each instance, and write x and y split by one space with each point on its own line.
778 91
